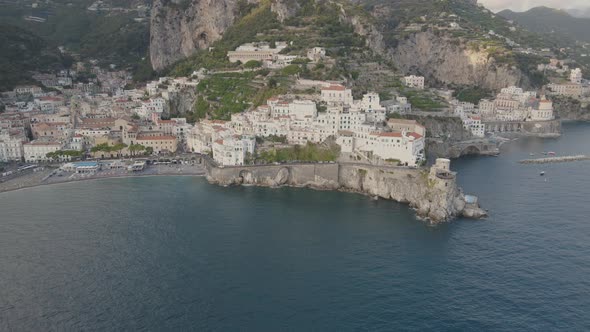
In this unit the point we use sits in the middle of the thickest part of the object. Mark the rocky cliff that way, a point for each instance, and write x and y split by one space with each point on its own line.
434 195
571 109
182 102
181 27
440 57
445 60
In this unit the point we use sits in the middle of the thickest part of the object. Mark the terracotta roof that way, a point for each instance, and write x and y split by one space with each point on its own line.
415 135
395 134
156 138
219 141
335 88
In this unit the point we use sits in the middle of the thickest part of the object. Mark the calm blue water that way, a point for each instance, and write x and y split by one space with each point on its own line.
179 254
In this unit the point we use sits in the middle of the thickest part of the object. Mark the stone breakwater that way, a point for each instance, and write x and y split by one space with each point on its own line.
432 193
564 159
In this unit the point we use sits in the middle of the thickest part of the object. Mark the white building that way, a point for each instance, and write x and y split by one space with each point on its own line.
337 94
36 151
474 125
544 112
316 54
255 51
576 76
11 145
413 81
233 150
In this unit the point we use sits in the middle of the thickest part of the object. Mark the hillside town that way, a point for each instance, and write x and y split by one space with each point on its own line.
90 112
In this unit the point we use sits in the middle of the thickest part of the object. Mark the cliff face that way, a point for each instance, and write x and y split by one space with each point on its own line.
442 59
181 102
435 198
179 28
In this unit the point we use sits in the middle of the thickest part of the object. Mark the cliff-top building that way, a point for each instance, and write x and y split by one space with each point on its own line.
255 51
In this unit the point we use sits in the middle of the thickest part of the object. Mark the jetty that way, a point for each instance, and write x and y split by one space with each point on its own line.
563 159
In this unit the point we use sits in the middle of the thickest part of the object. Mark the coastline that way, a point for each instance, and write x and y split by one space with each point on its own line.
91 178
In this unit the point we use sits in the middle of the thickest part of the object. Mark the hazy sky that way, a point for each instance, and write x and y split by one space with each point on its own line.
520 5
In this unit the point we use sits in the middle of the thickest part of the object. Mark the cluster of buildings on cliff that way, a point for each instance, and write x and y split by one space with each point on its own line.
356 125
270 55
576 87
511 105
40 125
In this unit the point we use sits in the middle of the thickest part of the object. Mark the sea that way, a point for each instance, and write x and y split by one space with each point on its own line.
176 253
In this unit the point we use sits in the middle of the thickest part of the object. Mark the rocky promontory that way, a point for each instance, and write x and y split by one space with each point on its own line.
432 193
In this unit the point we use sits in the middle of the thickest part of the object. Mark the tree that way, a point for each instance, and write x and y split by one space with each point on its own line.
118 147
252 64
134 148
291 70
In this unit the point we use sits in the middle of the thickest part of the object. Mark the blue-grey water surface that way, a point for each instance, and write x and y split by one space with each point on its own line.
175 253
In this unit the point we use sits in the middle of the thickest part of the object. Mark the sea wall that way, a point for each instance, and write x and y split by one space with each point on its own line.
433 196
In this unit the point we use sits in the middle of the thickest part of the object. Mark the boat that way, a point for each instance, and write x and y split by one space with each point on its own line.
542 173
551 153
531 154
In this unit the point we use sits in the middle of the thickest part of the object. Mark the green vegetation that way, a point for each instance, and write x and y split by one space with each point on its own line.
225 94
528 64
271 138
310 153
252 64
110 37
64 154
256 20
21 52
136 148
425 102
221 95
105 147
551 21
472 94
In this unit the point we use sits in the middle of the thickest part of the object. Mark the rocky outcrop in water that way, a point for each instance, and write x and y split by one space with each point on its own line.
434 195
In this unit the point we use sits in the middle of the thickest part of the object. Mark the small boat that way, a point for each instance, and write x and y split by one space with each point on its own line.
542 173
551 153
531 154
544 153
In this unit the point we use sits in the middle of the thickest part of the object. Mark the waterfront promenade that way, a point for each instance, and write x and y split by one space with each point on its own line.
54 175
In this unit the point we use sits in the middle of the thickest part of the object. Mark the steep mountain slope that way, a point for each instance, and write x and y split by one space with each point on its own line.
118 37
448 41
552 21
21 52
